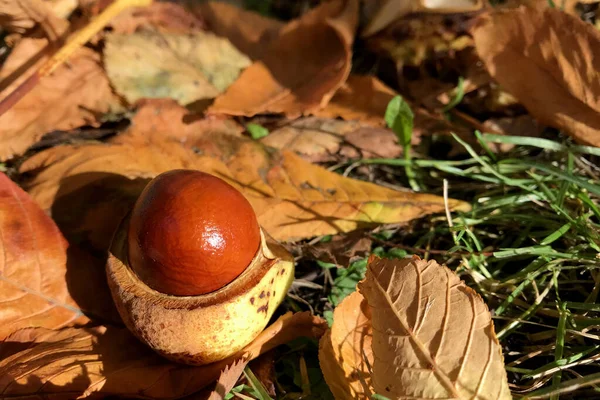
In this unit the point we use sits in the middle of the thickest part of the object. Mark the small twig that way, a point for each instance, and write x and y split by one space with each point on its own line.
63 54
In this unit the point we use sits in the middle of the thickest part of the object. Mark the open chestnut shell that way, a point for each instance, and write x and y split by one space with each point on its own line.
204 328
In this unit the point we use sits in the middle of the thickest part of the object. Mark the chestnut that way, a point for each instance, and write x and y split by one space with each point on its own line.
190 270
191 233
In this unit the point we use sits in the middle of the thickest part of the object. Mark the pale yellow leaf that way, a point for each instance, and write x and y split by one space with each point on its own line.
433 337
185 67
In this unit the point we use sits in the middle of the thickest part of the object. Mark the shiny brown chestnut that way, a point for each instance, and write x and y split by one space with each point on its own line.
191 233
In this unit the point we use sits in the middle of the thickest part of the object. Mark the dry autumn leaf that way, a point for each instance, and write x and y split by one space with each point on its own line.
104 361
301 69
319 139
361 98
292 198
250 32
185 67
345 353
74 95
433 337
33 267
18 16
228 378
365 99
549 60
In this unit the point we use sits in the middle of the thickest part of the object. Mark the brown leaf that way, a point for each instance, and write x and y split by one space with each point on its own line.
362 98
18 16
228 378
263 368
365 99
250 32
33 290
433 336
549 60
345 351
320 139
301 69
74 95
292 198
104 361
185 67
342 249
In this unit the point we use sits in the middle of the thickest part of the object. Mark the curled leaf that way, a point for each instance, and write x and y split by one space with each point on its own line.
250 32
345 351
549 61
301 69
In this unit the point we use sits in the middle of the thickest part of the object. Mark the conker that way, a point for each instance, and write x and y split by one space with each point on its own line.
191 233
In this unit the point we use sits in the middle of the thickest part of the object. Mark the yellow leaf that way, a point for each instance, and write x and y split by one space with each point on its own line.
549 60
292 197
433 337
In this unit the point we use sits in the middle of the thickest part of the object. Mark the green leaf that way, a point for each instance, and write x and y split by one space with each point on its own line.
257 131
459 94
399 118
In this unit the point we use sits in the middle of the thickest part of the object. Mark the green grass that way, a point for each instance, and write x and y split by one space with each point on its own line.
529 246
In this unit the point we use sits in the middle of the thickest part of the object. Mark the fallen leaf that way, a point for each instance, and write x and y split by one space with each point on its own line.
291 197
74 95
433 336
361 98
104 361
549 61
228 378
301 69
320 139
341 249
250 32
33 290
18 16
345 351
365 99
523 125
371 142
163 17
263 368
186 67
